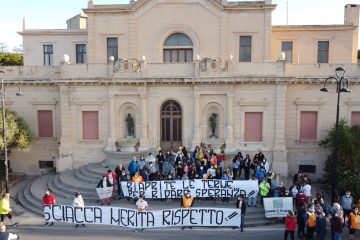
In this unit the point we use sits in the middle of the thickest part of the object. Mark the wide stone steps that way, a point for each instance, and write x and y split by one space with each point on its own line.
84 180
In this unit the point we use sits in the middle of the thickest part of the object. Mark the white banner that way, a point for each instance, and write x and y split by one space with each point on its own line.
123 217
197 187
104 192
277 207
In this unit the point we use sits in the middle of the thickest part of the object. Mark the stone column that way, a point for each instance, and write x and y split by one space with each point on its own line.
229 122
280 164
111 137
144 140
65 160
196 124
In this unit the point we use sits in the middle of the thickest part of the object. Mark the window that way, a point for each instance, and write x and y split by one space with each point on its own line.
48 55
355 118
323 52
286 47
245 49
307 168
308 126
45 123
80 53
90 124
178 48
253 126
112 48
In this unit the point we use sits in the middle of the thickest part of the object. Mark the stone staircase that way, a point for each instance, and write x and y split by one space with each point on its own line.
84 179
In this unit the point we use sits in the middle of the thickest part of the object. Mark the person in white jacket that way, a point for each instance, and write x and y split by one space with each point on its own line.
79 203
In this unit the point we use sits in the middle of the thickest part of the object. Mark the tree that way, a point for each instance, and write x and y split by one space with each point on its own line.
348 167
11 59
17 131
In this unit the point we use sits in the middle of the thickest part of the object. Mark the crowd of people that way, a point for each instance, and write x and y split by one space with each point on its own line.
310 216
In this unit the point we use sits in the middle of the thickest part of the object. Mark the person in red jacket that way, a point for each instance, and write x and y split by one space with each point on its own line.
301 198
48 199
290 225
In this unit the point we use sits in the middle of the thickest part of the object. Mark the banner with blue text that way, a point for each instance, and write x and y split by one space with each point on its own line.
124 217
198 188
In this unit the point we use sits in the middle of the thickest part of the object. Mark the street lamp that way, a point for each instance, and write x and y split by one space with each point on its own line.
3 91
342 85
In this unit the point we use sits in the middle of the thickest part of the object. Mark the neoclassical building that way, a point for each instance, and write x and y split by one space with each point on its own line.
172 65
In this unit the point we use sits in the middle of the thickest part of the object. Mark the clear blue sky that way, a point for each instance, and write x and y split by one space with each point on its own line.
53 14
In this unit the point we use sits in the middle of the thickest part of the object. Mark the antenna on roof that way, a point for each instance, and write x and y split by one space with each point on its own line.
23 26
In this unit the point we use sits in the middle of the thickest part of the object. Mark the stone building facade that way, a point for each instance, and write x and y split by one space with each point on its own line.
171 65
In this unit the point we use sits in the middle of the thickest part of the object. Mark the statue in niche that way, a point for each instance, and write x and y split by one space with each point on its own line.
130 125
213 125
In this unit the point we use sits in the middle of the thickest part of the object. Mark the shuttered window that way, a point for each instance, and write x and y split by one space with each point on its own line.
90 124
308 125
253 126
45 123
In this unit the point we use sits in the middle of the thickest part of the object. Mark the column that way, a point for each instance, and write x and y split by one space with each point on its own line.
280 164
144 140
65 160
111 136
229 122
196 108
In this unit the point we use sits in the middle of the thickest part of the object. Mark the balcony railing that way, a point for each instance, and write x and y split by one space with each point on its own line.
199 69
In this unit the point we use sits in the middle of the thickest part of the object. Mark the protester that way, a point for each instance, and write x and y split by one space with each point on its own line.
310 222
104 183
111 176
333 218
290 225
48 199
301 221
141 206
247 166
5 210
6 235
253 198
161 159
347 203
307 190
235 166
226 176
320 228
338 224
354 222
123 177
150 158
187 202
119 169
301 198
78 202
137 178
240 204
133 167
264 188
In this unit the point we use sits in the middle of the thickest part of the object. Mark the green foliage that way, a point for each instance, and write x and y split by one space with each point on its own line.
11 59
18 132
348 165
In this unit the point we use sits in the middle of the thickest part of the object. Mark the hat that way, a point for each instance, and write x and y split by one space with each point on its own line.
291 213
301 190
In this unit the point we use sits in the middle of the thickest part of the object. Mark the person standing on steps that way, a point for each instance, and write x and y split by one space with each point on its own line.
78 202
48 199
104 183
240 204
5 210
187 202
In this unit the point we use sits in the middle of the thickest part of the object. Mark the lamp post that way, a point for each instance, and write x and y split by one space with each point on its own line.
3 91
342 85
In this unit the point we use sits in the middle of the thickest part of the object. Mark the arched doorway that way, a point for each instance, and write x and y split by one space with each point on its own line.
171 126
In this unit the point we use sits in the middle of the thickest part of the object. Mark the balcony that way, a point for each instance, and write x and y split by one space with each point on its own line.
212 69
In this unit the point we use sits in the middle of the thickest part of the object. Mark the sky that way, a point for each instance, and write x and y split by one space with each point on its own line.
53 14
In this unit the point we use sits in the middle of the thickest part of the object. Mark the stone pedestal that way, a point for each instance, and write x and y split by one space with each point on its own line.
216 144
129 144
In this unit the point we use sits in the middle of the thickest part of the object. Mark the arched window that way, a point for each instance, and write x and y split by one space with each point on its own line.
178 48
